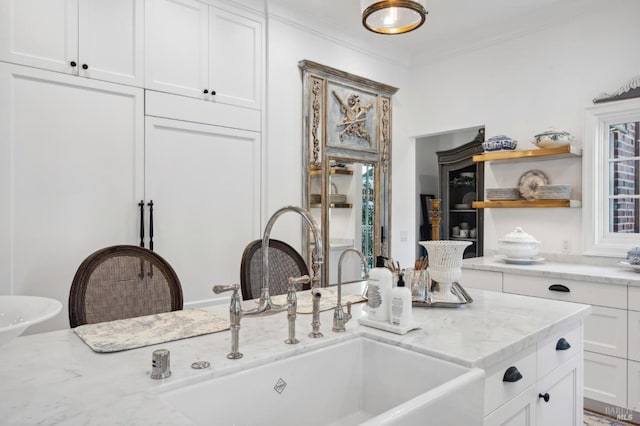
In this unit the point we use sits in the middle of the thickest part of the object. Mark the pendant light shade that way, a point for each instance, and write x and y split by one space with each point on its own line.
392 16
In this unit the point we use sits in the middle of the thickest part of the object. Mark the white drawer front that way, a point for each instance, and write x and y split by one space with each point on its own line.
605 331
483 280
634 298
497 391
605 378
600 294
520 411
560 348
634 335
634 386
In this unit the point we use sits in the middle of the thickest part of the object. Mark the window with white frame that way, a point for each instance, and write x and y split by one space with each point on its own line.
611 182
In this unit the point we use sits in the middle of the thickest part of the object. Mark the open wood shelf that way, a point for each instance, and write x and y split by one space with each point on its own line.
333 171
531 154
526 204
334 205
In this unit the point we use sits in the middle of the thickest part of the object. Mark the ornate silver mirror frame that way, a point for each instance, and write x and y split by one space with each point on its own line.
346 121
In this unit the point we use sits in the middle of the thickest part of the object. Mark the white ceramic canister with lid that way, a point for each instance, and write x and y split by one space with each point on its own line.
378 289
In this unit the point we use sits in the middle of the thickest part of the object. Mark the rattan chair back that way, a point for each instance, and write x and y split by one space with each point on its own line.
121 282
284 262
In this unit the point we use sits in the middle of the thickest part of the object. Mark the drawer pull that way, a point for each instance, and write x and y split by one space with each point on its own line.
559 287
511 375
545 397
562 345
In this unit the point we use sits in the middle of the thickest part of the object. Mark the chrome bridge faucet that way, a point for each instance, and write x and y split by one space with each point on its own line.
265 303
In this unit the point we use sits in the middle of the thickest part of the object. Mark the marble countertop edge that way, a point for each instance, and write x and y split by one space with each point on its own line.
609 274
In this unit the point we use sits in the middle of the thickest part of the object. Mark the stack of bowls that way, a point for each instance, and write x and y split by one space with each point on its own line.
553 192
502 193
518 245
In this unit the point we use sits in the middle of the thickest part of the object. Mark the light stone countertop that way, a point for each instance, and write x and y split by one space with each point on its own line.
55 378
612 273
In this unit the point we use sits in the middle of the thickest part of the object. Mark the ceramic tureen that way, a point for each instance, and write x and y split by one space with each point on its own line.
499 143
552 138
518 245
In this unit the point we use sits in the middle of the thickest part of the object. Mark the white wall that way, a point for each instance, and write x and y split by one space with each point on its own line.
518 88
289 43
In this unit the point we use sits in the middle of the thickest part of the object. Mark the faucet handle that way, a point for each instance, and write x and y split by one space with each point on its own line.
304 279
217 289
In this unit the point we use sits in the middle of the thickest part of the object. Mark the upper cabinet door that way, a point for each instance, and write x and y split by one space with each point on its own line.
111 40
176 52
235 58
40 33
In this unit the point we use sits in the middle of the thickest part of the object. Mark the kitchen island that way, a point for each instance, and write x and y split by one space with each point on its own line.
55 378
611 332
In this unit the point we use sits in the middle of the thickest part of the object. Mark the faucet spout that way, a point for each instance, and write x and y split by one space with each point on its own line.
265 303
339 318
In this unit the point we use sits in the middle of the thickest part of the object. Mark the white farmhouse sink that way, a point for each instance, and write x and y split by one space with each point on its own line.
17 313
356 382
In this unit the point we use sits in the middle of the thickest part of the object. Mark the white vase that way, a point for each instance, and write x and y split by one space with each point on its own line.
445 265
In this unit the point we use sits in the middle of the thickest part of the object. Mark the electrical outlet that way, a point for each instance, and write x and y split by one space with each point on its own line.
566 246
404 236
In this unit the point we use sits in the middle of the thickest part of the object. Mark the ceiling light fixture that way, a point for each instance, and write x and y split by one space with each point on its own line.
392 16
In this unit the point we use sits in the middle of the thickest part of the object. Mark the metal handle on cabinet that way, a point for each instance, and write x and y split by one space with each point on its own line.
141 205
511 375
73 64
559 287
85 66
544 396
150 204
562 345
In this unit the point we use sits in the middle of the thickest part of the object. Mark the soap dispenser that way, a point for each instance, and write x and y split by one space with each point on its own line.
400 303
378 291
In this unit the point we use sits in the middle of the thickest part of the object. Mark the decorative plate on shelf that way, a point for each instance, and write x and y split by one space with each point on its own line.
629 265
529 183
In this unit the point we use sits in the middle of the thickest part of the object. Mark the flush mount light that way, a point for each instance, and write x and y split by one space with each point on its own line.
392 16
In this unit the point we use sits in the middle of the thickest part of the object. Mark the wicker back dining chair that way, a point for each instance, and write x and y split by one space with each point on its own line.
121 282
284 262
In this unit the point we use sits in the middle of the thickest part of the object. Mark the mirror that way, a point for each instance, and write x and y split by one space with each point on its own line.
346 173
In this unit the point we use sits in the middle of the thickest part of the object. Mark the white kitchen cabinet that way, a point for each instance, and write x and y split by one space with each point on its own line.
208 52
548 390
559 395
634 335
633 386
520 411
204 182
605 331
483 280
605 378
71 159
100 39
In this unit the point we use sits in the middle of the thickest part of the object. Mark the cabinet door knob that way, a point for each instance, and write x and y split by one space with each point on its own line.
213 93
511 375
562 345
73 64
205 91
545 397
559 287
85 66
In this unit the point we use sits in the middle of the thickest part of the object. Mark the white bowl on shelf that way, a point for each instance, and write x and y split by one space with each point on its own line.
17 313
